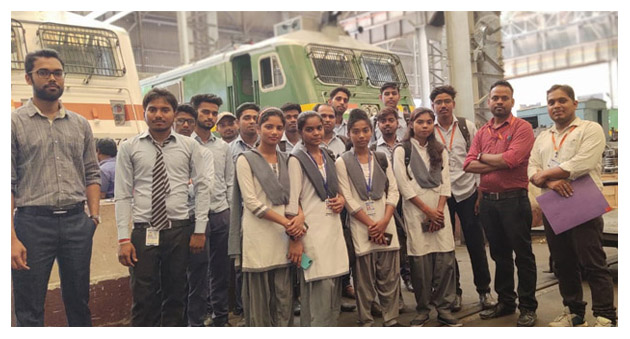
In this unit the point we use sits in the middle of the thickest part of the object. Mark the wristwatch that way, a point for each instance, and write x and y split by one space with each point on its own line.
96 218
479 156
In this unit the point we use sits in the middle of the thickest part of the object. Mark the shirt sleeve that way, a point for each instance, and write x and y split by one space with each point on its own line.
90 161
229 174
105 180
14 155
589 153
248 192
520 146
445 188
535 158
474 150
295 179
352 203
202 175
123 190
405 185
392 193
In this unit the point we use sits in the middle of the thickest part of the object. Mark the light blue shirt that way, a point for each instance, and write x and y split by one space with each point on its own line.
238 146
221 194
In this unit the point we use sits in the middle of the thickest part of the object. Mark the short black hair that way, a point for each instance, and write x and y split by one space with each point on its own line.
448 89
389 85
502 83
245 106
385 112
289 106
29 60
316 108
339 89
196 100
186 108
357 115
568 90
106 146
157 93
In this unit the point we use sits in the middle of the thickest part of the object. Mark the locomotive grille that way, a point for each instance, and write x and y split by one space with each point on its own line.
18 48
334 65
381 68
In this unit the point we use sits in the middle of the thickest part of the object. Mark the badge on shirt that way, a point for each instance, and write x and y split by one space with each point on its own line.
553 162
153 237
329 210
369 208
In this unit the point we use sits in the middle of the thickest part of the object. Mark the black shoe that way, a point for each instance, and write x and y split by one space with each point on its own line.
449 320
498 310
345 307
349 292
408 285
486 300
396 324
419 320
297 308
376 310
457 304
526 319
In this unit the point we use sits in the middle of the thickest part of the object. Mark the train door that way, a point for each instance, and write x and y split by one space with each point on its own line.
243 85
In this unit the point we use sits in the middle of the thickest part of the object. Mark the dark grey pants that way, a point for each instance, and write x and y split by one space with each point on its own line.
197 275
158 280
219 267
433 279
582 247
68 239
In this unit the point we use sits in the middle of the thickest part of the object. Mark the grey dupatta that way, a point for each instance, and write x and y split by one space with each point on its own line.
276 188
424 177
358 178
315 177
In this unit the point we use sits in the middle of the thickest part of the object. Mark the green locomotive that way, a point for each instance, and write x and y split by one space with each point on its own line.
300 67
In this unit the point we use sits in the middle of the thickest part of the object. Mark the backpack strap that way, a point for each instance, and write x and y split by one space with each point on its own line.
407 147
346 141
282 145
463 127
373 149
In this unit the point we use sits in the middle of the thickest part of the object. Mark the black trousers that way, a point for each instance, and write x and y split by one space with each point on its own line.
475 242
158 280
582 246
507 223
219 266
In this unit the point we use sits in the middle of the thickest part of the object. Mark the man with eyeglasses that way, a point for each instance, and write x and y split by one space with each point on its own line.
54 170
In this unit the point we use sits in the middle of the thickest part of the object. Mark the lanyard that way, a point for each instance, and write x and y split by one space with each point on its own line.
368 183
553 138
500 136
324 178
450 147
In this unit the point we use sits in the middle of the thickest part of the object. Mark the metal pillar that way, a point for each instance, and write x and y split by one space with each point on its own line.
423 64
184 44
460 67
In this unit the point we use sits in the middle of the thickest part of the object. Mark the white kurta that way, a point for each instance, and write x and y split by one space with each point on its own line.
362 245
420 243
265 243
324 242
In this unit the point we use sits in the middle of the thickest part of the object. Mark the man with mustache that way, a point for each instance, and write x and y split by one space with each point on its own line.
330 140
390 96
227 127
247 118
499 152
291 136
54 170
153 170
455 133
338 100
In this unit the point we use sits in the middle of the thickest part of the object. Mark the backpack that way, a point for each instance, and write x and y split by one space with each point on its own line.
463 127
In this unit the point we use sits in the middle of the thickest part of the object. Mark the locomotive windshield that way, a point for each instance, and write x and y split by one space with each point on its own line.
334 65
381 68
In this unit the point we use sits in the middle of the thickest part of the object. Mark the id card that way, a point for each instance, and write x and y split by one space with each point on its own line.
329 210
553 162
369 208
153 237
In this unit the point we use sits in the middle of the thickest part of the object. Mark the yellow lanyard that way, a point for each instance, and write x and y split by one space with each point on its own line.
450 147
553 138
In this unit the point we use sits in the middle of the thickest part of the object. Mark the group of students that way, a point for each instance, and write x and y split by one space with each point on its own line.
273 198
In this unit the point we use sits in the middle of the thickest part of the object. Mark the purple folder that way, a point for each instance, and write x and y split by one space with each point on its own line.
586 203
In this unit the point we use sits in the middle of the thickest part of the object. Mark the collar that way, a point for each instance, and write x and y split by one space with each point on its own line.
449 127
576 122
381 141
32 110
173 136
415 142
212 138
240 140
112 159
508 121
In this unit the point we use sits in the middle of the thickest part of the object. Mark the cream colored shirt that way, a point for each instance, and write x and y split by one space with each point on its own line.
580 154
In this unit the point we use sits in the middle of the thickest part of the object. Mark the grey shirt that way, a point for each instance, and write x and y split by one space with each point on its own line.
52 162
221 194
183 159
238 146
341 129
336 145
382 146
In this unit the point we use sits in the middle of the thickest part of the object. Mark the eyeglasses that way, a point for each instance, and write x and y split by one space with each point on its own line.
180 122
45 74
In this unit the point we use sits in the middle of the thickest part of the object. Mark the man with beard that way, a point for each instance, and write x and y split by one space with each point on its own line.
455 133
153 170
291 136
247 118
390 96
227 127
217 267
338 100
500 152
53 172
330 140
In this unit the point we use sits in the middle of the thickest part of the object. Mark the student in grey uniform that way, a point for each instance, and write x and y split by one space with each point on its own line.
422 173
314 187
368 182
259 231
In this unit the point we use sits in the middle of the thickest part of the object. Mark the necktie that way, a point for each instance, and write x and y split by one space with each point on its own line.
160 188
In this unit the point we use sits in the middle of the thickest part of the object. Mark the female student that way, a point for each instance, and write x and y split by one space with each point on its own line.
368 183
261 229
421 170
314 188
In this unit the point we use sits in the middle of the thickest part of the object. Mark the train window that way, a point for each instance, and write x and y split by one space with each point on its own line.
381 68
271 75
84 50
18 47
335 66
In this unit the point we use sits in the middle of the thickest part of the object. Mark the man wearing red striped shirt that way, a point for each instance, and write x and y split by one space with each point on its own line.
500 153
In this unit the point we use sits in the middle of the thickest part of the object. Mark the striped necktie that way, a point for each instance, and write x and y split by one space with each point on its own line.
160 188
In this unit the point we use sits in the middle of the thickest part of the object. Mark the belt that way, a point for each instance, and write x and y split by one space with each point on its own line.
172 224
50 211
505 195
